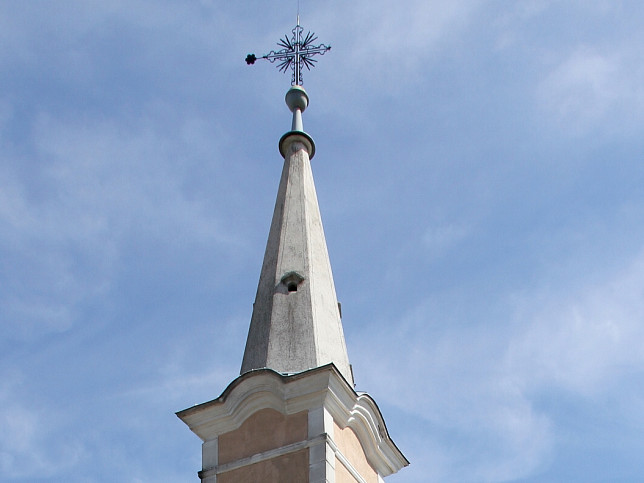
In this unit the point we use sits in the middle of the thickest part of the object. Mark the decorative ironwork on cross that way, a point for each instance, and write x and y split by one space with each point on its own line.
297 52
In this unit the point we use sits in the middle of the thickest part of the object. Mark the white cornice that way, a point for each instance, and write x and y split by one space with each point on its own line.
323 386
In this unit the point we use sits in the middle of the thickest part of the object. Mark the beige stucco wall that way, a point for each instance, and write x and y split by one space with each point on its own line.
290 468
342 475
265 430
349 445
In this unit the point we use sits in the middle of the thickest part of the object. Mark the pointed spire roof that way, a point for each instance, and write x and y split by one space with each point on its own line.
296 322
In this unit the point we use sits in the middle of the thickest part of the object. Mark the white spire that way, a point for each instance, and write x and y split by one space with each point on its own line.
296 323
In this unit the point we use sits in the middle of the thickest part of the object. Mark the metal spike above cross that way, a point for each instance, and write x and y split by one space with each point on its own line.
296 53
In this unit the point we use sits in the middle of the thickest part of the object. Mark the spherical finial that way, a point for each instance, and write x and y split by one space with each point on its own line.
296 98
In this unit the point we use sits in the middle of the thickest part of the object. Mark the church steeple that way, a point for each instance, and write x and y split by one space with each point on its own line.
293 414
296 323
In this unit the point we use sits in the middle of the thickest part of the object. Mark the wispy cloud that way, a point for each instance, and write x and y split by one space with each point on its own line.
440 238
584 342
582 89
97 183
27 449
485 383
480 165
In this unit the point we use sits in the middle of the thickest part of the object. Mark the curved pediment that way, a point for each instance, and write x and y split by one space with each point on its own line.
323 387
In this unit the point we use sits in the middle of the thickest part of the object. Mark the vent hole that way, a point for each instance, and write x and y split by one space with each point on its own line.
292 287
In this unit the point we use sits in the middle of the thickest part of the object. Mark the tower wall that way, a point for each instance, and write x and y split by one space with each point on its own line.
310 427
290 468
264 430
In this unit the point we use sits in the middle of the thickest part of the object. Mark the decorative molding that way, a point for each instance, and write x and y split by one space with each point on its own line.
291 138
320 387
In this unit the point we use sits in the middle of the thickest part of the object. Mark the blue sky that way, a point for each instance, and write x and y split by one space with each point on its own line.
479 169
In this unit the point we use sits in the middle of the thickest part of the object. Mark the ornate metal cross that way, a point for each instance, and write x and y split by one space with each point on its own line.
295 54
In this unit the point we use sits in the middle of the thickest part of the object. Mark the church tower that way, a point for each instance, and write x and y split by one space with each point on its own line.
293 416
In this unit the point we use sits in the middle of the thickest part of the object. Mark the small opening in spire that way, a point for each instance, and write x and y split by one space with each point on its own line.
291 281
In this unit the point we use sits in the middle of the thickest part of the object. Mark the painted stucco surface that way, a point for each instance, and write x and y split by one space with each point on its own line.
342 475
265 430
290 468
350 447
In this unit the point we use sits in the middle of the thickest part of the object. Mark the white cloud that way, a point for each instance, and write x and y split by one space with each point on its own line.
388 43
582 87
439 238
27 448
591 86
454 377
480 380
90 186
584 343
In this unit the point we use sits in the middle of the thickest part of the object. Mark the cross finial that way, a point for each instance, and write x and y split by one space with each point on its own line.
296 52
